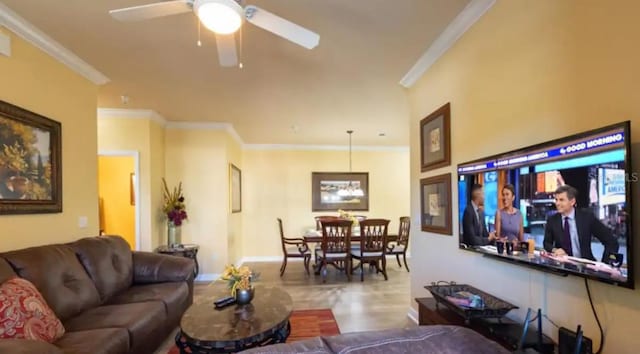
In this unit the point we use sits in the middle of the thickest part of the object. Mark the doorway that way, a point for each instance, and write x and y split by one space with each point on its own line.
119 200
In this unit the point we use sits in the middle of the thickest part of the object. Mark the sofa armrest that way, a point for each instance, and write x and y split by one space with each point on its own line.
26 346
157 268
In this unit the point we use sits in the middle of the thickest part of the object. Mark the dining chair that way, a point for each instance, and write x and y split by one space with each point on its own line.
402 244
335 247
373 246
319 219
293 248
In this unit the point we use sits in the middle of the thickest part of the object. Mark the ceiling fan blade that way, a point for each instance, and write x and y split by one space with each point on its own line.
145 12
283 28
226 44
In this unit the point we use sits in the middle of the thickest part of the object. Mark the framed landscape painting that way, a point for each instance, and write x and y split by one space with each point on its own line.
331 191
435 139
30 162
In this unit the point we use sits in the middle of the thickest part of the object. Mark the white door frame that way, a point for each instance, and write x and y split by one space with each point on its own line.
136 166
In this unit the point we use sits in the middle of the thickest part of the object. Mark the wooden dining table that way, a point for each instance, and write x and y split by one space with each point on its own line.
318 239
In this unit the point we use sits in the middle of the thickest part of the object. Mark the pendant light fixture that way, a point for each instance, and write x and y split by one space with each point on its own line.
351 190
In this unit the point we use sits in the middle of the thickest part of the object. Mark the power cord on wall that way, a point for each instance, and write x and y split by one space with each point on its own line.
586 284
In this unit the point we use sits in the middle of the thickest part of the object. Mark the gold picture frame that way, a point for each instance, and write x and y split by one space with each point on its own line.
235 188
132 188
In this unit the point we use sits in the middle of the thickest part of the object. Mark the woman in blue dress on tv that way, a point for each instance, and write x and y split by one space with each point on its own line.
509 226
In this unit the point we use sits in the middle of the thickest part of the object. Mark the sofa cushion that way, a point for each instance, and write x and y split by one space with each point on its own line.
175 297
6 272
425 339
26 346
25 315
109 262
56 272
95 341
145 321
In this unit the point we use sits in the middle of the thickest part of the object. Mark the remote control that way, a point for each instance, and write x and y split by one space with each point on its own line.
224 302
223 299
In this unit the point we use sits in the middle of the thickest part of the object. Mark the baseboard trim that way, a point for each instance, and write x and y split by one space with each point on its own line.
266 259
208 277
413 315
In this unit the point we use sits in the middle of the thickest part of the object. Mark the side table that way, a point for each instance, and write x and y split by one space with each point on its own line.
187 250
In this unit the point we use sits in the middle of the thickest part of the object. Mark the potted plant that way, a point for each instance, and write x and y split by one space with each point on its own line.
239 281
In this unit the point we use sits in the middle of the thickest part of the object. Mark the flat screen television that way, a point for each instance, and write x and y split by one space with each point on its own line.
597 164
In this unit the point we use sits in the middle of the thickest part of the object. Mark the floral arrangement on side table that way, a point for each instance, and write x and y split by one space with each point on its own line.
174 206
239 281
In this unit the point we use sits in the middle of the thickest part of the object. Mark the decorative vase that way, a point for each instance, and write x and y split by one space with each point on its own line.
174 235
244 296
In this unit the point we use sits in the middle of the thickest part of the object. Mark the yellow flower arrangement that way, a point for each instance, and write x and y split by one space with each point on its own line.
239 278
348 216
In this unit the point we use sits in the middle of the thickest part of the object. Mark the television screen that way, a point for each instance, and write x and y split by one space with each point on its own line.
561 206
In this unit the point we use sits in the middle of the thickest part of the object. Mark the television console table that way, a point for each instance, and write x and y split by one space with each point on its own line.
504 331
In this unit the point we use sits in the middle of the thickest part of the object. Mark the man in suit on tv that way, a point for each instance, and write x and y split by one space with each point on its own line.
474 229
569 231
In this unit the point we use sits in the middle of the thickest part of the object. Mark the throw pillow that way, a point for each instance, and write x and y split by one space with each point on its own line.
25 315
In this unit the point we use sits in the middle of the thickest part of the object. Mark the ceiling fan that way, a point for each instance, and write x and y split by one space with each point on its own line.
224 18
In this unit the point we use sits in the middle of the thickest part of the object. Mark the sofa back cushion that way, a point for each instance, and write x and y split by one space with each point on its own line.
61 279
6 272
109 262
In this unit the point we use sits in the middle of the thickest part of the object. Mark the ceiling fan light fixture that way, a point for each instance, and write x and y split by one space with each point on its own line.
220 16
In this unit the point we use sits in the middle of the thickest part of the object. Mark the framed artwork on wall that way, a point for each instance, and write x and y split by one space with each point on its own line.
435 204
331 191
235 188
132 188
435 139
30 162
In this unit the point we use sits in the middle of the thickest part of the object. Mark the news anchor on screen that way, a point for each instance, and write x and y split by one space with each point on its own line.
569 231
474 230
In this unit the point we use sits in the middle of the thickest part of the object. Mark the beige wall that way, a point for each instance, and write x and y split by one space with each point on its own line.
127 135
528 72
34 81
198 159
235 244
277 184
156 172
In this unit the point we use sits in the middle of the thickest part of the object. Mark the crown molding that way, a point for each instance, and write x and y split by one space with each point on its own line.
465 19
33 35
121 113
300 147
5 45
228 127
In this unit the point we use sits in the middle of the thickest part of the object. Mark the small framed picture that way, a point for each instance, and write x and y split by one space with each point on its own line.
435 204
435 139
235 186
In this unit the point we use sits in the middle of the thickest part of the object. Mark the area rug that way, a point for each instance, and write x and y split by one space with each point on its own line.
305 324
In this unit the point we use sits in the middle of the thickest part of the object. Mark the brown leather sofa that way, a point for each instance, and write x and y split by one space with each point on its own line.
109 299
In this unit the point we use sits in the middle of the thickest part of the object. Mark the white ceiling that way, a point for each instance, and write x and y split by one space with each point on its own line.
350 81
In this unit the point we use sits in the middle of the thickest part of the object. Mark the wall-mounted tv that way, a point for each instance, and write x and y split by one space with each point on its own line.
571 205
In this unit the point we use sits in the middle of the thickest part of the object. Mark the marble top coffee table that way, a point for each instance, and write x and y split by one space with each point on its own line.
203 329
